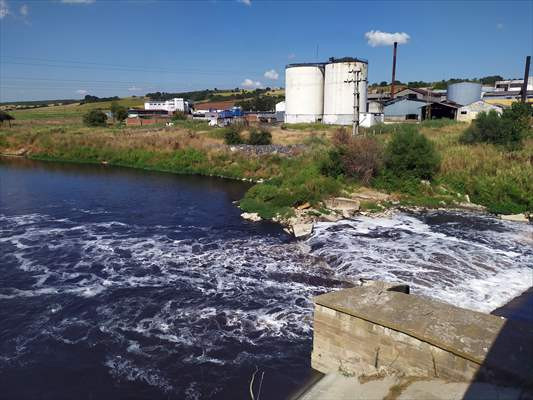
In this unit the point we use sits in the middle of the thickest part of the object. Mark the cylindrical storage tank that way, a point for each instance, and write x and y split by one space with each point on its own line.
339 88
464 92
304 93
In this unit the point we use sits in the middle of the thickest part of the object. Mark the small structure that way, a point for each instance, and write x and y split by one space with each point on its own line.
173 105
506 98
470 111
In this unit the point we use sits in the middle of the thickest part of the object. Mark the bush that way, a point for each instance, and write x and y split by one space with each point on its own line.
507 129
120 113
233 136
411 154
259 137
95 118
179 116
356 157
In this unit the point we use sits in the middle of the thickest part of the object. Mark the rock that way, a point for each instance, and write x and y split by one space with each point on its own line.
471 206
330 217
302 230
304 206
254 217
515 217
342 204
467 198
21 152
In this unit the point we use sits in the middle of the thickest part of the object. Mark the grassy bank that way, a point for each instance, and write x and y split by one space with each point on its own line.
499 179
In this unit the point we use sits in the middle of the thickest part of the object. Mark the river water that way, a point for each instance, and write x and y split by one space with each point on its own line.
117 283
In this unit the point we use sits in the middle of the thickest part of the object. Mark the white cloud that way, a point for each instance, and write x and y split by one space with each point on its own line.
245 2
499 26
250 83
77 1
378 38
272 74
82 92
135 89
4 9
24 10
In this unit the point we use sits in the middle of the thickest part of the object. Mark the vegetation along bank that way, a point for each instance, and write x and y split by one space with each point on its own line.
438 163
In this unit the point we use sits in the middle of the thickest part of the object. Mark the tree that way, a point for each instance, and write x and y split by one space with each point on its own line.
95 118
6 117
119 112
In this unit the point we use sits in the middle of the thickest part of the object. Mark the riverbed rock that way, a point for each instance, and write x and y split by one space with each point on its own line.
346 206
254 217
304 206
515 217
302 230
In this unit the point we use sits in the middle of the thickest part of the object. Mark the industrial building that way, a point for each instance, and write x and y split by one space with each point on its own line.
403 109
470 111
513 85
464 92
173 105
329 92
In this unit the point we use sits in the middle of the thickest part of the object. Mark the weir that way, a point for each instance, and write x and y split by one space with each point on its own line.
375 331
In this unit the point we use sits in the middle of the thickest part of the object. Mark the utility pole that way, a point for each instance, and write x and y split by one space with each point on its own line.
355 117
526 77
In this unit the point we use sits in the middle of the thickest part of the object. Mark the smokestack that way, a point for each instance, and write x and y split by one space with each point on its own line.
526 76
393 70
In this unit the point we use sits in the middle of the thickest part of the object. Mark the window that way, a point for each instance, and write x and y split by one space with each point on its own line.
464 112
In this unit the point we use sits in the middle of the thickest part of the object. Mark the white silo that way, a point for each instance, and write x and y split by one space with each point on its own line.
339 88
304 92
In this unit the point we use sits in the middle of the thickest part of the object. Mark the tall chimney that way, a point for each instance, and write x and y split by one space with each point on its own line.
393 70
526 77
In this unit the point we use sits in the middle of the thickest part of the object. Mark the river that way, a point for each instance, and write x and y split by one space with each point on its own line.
119 283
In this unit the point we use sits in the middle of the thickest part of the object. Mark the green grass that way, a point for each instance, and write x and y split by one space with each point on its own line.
318 126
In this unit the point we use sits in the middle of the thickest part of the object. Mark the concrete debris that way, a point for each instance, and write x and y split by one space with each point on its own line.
302 230
254 217
515 217
304 206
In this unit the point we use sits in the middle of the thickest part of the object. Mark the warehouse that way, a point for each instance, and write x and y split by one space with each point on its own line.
173 105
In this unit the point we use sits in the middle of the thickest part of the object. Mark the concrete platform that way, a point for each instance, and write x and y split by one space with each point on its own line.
340 387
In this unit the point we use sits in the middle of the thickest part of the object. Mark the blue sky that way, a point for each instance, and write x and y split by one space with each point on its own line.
53 49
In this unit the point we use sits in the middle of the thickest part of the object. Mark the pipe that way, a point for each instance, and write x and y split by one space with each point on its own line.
393 71
526 77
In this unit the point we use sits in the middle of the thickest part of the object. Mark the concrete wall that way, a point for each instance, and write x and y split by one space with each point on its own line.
359 330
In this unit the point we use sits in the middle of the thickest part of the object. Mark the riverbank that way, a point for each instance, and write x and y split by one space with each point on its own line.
288 181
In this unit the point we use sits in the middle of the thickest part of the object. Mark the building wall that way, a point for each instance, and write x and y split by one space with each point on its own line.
400 109
470 112
175 104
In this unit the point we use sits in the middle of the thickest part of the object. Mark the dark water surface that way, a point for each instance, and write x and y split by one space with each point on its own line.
117 283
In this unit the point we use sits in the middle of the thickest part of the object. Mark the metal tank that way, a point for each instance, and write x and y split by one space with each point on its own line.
304 92
464 92
339 87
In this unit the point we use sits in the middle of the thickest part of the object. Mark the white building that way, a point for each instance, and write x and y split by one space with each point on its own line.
470 111
175 104
513 85
280 107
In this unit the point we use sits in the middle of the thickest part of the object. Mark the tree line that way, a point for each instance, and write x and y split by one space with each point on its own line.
443 84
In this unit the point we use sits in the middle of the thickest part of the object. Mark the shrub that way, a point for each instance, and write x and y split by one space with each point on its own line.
5 117
507 129
356 157
120 113
179 116
233 136
95 118
260 137
411 154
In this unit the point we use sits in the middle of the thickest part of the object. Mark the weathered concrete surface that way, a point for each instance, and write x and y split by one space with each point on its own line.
340 387
361 328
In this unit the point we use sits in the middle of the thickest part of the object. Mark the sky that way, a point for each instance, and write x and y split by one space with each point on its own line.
64 49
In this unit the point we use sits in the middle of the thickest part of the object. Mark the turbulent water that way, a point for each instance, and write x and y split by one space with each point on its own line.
124 284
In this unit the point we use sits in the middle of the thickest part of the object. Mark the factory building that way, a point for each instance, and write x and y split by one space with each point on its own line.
513 85
327 92
172 105
403 109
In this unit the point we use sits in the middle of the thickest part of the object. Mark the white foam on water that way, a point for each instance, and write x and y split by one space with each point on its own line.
481 270
251 295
